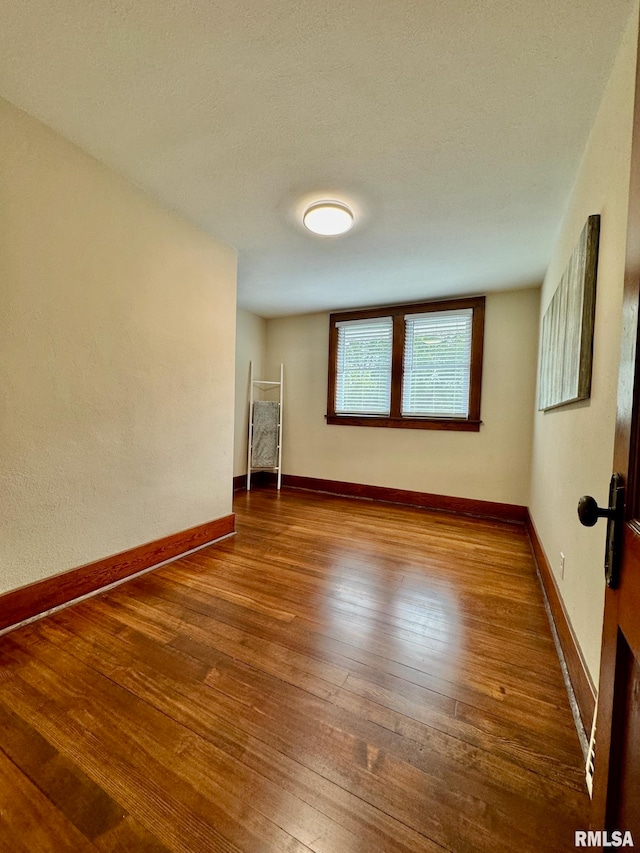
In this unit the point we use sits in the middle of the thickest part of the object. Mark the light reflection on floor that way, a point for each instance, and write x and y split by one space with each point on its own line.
424 615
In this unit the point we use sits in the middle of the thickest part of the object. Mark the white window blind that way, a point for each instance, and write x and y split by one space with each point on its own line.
437 361
363 377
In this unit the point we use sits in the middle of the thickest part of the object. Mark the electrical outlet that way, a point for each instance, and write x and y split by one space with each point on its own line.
561 566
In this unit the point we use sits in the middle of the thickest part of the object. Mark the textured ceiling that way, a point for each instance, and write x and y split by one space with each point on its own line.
453 128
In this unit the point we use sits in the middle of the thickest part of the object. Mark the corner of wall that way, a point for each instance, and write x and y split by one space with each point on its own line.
251 346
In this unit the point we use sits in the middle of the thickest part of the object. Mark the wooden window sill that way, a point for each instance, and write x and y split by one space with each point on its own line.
454 424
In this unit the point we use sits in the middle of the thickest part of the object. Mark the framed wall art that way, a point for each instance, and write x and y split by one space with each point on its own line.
567 327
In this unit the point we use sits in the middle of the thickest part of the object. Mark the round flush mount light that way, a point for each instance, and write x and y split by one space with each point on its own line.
328 218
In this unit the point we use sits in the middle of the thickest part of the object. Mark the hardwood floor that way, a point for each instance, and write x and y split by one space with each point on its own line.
340 677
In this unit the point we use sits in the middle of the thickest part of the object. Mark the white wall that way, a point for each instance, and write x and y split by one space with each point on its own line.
251 345
573 445
117 326
493 464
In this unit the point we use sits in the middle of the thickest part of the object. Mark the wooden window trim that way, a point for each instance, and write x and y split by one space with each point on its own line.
395 419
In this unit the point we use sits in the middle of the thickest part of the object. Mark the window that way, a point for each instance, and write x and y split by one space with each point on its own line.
437 361
363 376
415 366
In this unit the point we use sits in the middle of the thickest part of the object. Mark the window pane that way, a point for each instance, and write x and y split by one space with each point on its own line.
363 378
437 360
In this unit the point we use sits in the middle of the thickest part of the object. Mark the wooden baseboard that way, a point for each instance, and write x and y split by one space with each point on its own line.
464 506
581 683
36 598
258 479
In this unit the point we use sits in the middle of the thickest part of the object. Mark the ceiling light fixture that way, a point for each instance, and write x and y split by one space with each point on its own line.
328 218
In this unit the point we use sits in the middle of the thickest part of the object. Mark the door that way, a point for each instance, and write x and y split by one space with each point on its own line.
616 783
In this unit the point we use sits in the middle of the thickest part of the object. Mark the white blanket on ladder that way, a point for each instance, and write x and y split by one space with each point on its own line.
264 450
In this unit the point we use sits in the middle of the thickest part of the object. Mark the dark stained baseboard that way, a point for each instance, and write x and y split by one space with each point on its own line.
463 506
581 683
36 598
258 479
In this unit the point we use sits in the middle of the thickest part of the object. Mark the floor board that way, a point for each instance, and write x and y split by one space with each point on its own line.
342 676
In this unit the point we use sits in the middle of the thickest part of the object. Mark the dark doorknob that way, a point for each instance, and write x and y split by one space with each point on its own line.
589 511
